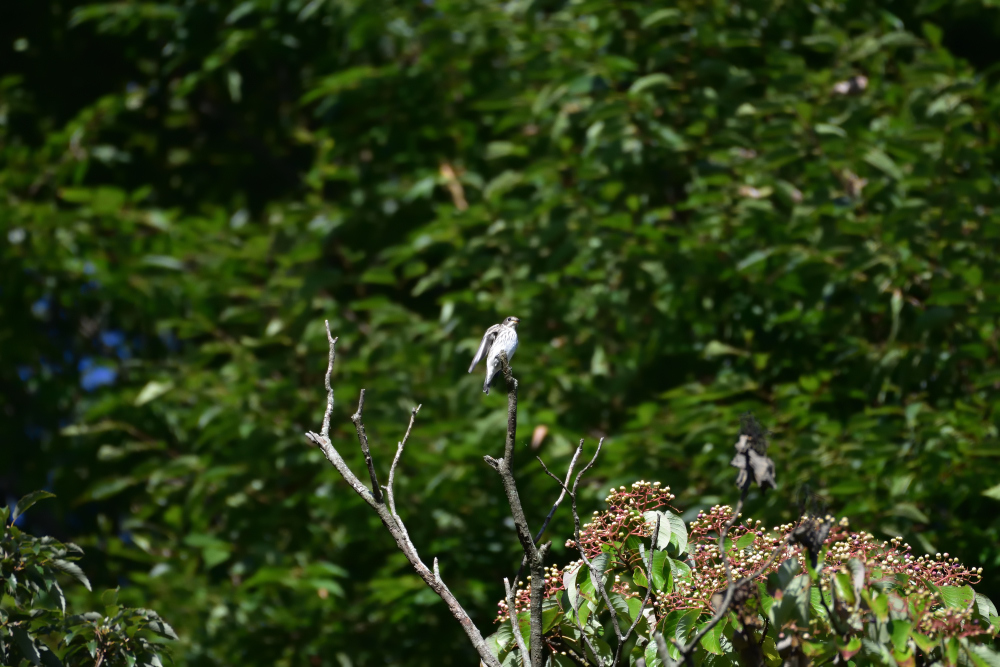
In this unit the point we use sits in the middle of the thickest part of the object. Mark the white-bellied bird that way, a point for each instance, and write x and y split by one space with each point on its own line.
498 338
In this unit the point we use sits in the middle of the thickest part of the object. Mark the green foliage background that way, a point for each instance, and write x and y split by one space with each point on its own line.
668 195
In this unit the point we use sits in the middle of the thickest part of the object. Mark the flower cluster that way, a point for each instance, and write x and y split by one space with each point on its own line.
754 551
623 518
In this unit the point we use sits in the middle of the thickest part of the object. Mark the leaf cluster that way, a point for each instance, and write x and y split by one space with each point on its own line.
35 626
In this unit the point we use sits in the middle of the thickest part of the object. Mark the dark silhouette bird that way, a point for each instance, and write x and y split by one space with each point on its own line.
498 338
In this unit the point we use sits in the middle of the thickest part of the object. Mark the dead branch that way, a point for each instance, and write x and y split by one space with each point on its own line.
393 523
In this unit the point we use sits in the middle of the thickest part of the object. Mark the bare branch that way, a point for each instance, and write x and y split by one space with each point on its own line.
505 467
359 426
514 625
598 585
325 429
661 648
393 523
555 505
390 495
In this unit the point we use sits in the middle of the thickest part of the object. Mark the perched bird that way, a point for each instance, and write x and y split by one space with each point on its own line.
498 338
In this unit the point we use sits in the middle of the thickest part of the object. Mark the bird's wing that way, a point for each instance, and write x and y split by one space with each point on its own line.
485 345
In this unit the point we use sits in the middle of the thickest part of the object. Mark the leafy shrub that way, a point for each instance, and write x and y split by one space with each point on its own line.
35 628
863 599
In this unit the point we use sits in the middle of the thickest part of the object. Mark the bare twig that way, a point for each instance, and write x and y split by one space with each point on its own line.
598 584
359 426
514 624
393 523
325 429
661 648
389 493
555 505
505 466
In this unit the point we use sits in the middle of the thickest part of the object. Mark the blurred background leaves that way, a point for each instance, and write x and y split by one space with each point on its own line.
696 208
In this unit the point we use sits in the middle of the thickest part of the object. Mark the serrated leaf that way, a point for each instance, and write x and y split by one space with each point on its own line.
73 570
26 643
24 503
957 597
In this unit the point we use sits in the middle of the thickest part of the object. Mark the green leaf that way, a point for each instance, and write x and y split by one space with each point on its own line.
26 643
884 163
652 656
745 541
993 492
685 625
152 391
899 630
28 501
673 531
598 565
879 604
648 81
661 16
925 643
711 641
957 597
550 614
661 576
984 656
985 606
824 128
569 581
73 570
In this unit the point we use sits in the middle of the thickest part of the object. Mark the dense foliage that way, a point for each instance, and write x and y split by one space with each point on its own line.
696 208
35 627
862 599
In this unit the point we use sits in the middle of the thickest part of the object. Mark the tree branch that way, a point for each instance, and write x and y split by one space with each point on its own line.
390 495
555 505
359 426
514 623
392 522
325 429
505 467
598 584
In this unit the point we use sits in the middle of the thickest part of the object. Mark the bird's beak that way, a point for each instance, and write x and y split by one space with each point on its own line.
517 320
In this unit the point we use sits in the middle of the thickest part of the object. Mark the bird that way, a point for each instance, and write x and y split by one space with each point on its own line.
498 338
